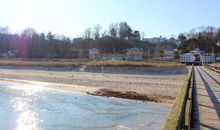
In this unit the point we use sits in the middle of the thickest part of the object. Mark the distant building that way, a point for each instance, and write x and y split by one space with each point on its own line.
172 40
9 54
77 40
111 57
168 54
144 39
197 57
218 58
94 53
156 40
134 54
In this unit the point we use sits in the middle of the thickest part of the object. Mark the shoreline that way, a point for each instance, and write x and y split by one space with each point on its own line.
56 86
82 90
159 85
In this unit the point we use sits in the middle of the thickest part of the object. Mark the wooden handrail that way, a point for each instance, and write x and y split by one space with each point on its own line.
180 116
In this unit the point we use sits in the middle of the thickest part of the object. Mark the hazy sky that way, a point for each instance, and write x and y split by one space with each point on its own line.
71 17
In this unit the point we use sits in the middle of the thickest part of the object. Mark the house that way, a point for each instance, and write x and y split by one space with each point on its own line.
94 53
77 40
168 54
111 57
172 40
156 40
218 58
9 54
134 54
197 57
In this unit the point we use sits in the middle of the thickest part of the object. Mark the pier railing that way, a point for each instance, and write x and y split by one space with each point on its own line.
212 67
180 116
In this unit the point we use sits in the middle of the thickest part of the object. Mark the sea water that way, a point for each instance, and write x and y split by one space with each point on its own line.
34 107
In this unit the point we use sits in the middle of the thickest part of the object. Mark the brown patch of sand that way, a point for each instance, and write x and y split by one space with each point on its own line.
131 95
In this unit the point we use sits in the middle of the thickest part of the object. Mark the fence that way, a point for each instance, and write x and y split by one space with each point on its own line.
180 116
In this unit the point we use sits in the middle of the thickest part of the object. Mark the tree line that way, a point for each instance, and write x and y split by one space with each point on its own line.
117 39
204 38
31 44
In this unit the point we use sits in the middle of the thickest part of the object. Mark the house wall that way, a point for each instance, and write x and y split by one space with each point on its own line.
169 55
207 58
203 58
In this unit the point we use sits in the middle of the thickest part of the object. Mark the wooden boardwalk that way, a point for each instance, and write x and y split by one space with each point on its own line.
206 105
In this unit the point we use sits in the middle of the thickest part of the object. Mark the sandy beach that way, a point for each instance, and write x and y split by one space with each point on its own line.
159 85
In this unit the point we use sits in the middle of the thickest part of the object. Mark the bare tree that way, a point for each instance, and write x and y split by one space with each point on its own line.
97 31
87 33
125 30
182 38
113 29
29 32
142 35
210 31
192 33
105 33
218 34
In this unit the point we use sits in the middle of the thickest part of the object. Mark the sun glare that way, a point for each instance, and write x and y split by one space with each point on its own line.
25 18
27 4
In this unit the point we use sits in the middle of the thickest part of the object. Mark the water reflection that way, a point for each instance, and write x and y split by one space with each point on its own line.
33 107
27 119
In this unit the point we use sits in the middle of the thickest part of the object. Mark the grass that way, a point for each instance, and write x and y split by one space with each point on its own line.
172 121
63 63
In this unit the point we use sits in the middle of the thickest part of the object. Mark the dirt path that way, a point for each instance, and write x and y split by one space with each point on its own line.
207 116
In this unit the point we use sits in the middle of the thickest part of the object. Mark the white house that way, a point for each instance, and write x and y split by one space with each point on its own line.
94 53
156 40
197 57
134 54
168 54
111 57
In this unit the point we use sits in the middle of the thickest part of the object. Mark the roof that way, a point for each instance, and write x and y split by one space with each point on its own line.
197 50
94 49
168 49
134 51
190 54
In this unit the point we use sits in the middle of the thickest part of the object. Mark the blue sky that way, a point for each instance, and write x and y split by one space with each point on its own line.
72 17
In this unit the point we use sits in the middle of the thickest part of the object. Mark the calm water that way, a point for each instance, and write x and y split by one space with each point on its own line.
33 107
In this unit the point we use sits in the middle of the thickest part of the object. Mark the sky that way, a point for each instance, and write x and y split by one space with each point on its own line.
71 17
